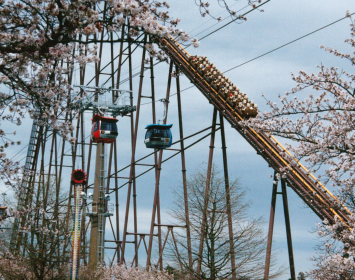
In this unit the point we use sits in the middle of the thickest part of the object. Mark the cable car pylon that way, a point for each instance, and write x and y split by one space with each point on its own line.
103 131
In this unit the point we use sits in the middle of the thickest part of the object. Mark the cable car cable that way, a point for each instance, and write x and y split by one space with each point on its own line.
214 31
115 173
135 75
215 23
255 58
293 41
125 80
239 65
144 157
187 147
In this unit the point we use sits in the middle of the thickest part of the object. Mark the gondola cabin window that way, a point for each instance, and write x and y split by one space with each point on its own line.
112 127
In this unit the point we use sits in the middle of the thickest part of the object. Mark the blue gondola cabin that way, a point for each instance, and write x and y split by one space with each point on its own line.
158 136
104 129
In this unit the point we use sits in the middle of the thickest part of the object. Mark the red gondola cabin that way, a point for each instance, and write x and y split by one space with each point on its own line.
104 129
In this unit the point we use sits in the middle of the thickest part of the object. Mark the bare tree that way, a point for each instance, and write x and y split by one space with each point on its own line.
249 240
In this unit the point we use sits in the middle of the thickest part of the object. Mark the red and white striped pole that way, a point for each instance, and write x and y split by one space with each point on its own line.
78 178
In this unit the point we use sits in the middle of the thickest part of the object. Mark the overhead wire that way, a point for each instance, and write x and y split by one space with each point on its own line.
255 8
284 45
138 65
275 49
15 155
215 23
204 23
233 20
253 59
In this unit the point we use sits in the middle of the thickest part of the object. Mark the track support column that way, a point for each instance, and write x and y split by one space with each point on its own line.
288 230
183 165
228 198
208 181
156 202
271 228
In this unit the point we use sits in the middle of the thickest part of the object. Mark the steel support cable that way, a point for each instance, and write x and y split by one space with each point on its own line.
203 137
284 45
69 149
144 157
219 28
215 23
262 56
125 80
271 51
47 137
277 143
138 45
187 147
182 60
105 66
14 156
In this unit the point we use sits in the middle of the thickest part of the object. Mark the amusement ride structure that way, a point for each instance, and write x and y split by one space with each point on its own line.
113 229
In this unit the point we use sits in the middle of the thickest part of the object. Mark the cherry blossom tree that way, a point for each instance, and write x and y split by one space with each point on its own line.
38 248
42 41
322 131
122 273
13 270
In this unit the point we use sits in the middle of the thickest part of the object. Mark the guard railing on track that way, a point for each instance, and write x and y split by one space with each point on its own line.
313 193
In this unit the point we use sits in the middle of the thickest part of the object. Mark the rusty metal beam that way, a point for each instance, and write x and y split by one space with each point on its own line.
271 228
206 196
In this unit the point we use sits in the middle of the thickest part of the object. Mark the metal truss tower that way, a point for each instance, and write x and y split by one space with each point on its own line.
115 232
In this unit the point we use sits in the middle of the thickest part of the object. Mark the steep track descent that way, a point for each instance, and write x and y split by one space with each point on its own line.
313 193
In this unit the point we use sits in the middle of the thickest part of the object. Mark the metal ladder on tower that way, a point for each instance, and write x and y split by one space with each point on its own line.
28 177
30 157
97 215
101 209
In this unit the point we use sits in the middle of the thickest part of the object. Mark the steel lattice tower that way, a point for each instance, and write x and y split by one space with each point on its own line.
50 159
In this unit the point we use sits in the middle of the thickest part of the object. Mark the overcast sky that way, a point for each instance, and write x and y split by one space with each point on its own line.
280 23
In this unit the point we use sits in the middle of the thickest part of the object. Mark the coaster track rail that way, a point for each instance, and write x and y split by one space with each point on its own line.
312 192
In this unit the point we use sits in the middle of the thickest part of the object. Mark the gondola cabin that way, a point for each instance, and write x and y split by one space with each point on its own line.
158 136
104 129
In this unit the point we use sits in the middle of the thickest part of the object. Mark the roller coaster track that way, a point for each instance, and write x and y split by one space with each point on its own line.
312 192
